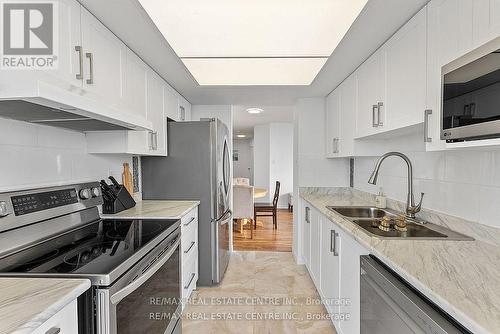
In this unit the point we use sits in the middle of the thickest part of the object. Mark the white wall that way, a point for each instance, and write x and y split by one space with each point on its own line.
281 160
244 166
311 168
273 160
465 184
38 156
262 158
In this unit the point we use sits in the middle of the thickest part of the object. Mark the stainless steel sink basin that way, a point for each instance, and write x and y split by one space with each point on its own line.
368 218
361 211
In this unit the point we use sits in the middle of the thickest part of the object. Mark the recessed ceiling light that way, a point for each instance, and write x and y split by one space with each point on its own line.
241 136
254 110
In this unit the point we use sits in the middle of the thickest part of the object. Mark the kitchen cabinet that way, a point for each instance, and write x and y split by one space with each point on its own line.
449 35
184 109
152 142
391 83
370 91
349 279
315 242
332 123
189 255
341 119
486 20
171 103
64 321
136 85
330 266
104 61
336 275
306 238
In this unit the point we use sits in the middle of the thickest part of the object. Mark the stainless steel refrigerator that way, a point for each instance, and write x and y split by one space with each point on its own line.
197 168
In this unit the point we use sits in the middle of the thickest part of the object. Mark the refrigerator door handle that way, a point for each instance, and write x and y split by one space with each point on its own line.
225 216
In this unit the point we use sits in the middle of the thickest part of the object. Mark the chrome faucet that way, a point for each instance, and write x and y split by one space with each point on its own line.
411 208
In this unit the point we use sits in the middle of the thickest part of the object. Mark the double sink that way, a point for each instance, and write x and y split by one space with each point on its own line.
369 218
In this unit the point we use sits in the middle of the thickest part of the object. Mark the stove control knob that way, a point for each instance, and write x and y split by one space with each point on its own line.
96 192
3 209
85 194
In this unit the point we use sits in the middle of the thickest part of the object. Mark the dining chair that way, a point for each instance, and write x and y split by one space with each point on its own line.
243 204
268 209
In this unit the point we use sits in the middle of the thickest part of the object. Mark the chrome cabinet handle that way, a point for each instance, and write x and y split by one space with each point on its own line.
190 281
307 214
150 134
78 48
333 242
155 140
379 108
190 247
374 113
190 221
90 80
427 139
54 330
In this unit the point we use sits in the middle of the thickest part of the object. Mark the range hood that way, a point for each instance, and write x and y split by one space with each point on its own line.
40 114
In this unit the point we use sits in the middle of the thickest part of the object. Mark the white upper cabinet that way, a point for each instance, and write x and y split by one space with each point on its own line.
184 109
104 61
156 114
135 88
332 130
171 103
486 18
449 35
370 90
404 56
391 83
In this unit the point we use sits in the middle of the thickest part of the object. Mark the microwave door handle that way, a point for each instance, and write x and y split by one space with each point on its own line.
124 292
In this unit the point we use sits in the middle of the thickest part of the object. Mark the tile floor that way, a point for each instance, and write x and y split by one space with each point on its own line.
262 292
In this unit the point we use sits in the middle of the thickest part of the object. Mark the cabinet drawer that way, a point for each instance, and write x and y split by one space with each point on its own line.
64 322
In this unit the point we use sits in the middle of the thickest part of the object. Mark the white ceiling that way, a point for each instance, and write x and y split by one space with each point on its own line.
243 122
378 20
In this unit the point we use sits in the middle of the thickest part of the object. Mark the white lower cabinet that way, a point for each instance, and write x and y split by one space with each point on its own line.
64 321
334 266
189 254
306 236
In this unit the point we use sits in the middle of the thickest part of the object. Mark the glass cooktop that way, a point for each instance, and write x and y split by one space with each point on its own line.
97 248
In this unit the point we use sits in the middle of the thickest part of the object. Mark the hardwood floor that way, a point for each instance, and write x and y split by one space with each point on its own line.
265 238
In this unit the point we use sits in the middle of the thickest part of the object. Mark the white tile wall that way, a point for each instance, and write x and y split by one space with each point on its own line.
37 156
464 183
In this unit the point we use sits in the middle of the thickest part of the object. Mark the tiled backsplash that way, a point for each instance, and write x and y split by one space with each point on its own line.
464 183
36 156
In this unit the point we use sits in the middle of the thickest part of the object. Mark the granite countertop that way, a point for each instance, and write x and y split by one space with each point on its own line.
461 277
26 303
156 209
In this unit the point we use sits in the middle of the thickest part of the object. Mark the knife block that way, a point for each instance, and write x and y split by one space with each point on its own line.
122 202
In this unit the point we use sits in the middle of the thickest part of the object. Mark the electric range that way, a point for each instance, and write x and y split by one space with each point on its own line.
57 232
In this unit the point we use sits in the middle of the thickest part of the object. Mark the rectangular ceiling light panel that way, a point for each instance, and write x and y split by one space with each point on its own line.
253 29
254 71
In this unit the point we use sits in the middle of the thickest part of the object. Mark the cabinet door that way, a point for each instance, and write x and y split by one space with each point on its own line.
306 238
330 266
348 109
370 86
136 72
184 109
486 20
350 282
70 43
156 114
104 61
332 124
171 103
449 35
315 247
405 65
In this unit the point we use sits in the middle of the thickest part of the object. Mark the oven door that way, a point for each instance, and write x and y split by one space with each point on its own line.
147 299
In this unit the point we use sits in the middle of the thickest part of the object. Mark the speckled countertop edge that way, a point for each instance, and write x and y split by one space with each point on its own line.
155 209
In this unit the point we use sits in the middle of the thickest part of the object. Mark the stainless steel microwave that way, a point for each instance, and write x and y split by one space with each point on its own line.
471 95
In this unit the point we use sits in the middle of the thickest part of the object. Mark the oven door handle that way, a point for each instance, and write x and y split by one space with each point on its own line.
120 294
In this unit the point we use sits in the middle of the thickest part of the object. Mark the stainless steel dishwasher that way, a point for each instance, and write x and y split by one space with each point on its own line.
389 305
